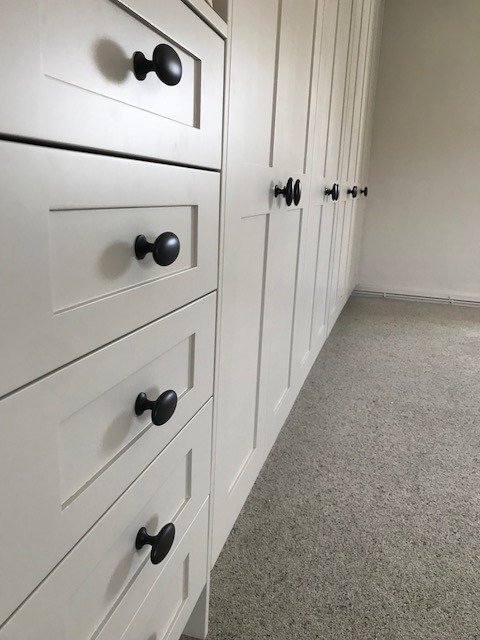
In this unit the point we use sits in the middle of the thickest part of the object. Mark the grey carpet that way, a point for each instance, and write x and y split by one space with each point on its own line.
364 523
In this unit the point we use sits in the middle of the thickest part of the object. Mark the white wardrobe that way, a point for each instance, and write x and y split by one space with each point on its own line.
181 202
300 101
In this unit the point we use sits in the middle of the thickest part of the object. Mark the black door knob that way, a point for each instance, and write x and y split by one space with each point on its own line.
161 543
286 192
164 249
297 192
334 192
364 191
353 191
165 62
162 408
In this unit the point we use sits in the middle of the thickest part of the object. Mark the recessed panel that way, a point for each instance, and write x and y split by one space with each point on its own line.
92 251
95 435
322 273
283 257
122 564
240 418
90 44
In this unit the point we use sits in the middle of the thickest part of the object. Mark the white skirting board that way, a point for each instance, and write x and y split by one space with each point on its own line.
463 302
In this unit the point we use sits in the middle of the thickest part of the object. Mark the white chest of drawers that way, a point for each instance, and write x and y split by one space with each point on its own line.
109 227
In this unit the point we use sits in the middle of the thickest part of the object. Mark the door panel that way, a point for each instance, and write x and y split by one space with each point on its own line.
322 274
345 252
337 96
339 217
249 200
269 123
281 290
292 101
286 244
302 338
329 136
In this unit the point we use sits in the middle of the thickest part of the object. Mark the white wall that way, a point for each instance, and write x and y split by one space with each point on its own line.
422 225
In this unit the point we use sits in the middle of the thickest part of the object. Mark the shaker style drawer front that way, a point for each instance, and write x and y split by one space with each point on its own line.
93 247
75 440
97 590
82 65
168 605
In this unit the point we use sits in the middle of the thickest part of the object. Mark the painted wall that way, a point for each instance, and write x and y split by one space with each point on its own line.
421 231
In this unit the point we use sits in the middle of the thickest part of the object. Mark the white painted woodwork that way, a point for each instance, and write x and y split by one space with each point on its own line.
75 444
80 473
322 208
171 602
285 342
338 143
71 279
71 78
248 202
271 74
286 272
368 59
353 173
105 588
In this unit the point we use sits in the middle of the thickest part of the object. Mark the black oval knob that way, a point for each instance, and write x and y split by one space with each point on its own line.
297 192
164 249
161 543
364 191
165 62
334 192
286 192
162 408
353 191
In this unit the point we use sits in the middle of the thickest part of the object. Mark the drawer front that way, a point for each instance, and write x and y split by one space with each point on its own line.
72 78
167 607
72 442
68 251
100 586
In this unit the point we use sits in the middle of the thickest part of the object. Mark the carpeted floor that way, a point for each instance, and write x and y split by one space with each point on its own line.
364 523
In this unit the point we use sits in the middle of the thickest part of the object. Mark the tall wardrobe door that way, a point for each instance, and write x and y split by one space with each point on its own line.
284 302
269 120
325 207
350 172
371 25
249 202
343 91
322 207
349 188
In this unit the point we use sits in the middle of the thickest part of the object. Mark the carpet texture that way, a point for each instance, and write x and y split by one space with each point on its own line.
364 523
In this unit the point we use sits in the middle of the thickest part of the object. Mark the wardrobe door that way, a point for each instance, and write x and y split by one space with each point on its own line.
284 303
321 207
327 199
371 26
269 116
350 142
346 52
249 201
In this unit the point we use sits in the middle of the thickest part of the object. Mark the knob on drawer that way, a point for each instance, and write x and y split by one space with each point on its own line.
364 191
353 191
165 62
334 192
286 192
164 249
162 408
161 543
